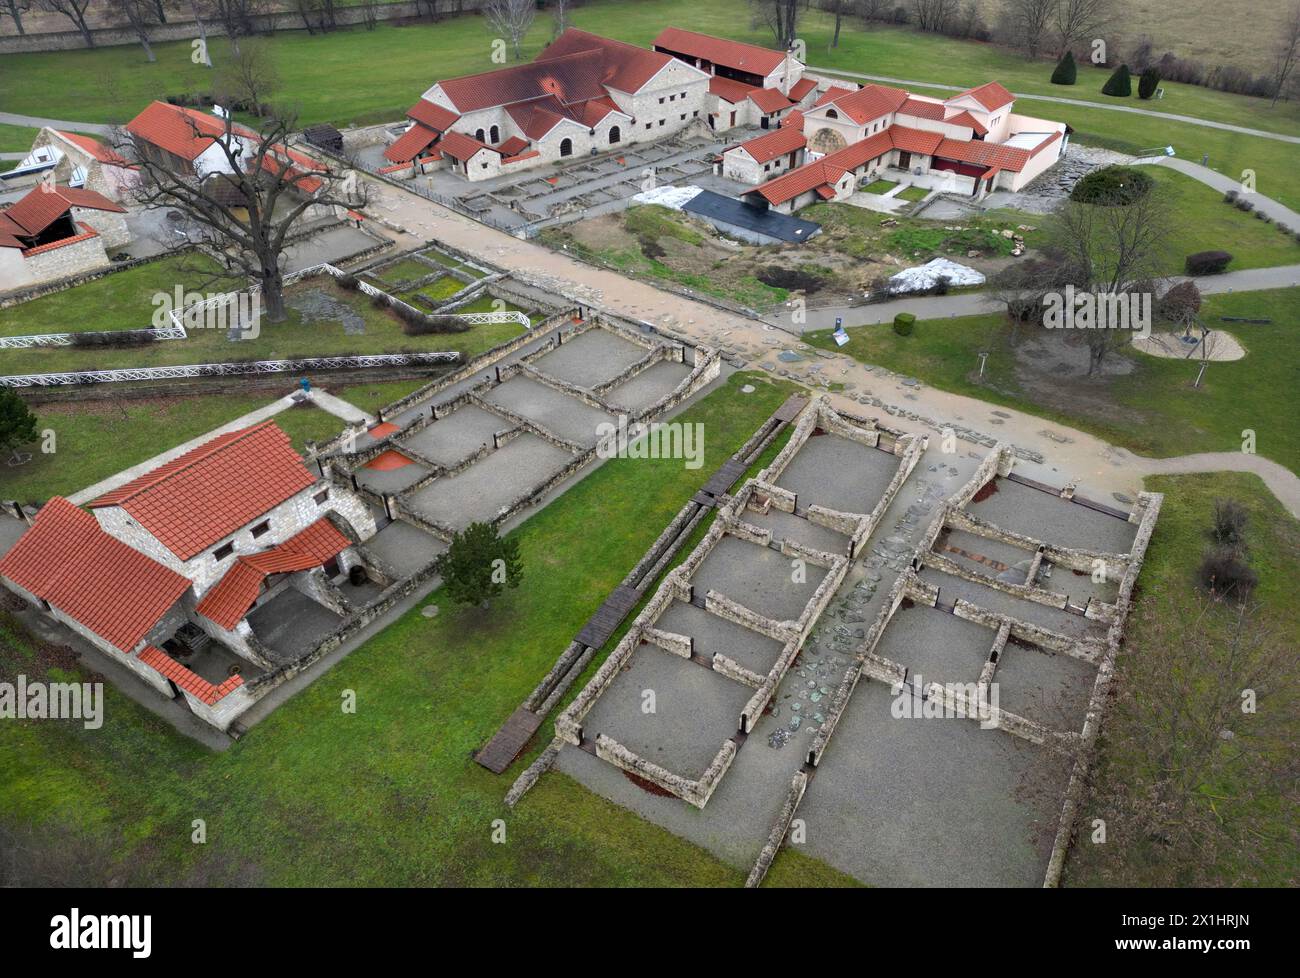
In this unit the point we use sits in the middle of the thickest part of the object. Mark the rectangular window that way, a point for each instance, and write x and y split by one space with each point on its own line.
223 551
647 125
262 529
662 121
661 101
683 117
320 497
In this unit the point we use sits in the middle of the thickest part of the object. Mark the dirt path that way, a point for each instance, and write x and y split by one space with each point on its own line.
1070 455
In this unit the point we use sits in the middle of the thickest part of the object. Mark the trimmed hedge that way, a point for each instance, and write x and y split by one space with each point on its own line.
1112 185
1066 72
1120 84
1207 262
904 323
1148 82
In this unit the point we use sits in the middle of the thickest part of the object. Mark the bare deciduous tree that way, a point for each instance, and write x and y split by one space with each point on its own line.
781 17
510 20
934 15
1026 23
248 78
1112 248
140 16
14 9
1078 21
75 11
1286 53
236 16
248 207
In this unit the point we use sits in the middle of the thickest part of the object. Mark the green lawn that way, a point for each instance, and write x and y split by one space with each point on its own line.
1253 813
121 302
1154 410
390 795
16 139
372 76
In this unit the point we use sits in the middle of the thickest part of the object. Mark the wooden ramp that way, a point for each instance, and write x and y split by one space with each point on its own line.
508 742
608 616
725 477
791 408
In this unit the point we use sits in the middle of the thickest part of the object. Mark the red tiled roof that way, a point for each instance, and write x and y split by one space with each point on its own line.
870 102
984 154
87 232
293 168
1045 143
991 95
180 131
833 93
826 171
411 143
776 143
729 89
459 146
431 115
769 100
113 590
95 148
800 89
793 119
41 207
192 683
914 140
923 110
966 119
512 146
624 67
229 600
211 491
729 54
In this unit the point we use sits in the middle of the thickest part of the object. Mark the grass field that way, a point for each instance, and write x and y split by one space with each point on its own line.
390 795
1153 410
1256 818
16 139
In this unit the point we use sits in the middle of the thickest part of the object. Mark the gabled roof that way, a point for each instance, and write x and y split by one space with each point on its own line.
229 600
459 146
512 146
41 207
729 54
912 140
793 119
625 67
800 89
180 131
93 147
431 115
990 95
770 145
831 94
411 143
769 100
111 589
211 491
966 119
869 102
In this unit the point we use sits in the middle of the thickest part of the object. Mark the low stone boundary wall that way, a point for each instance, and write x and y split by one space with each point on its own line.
798 787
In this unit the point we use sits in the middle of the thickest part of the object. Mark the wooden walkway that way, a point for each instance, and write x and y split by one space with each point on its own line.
507 743
608 616
791 408
725 477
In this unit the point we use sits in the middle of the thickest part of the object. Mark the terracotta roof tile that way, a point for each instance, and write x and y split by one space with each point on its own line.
431 115
870 102
209 492
991 95
97 580
776 143
966 119
192 683
730 90
229 600
625 67
769 100
459 146
411 143
41 207
729 54
95 148
180 131
922 109
800 89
